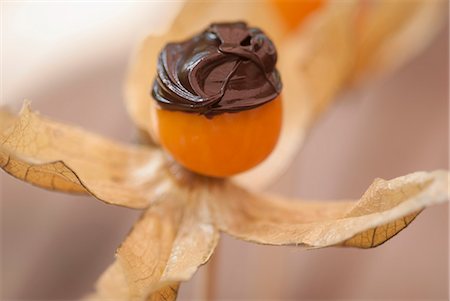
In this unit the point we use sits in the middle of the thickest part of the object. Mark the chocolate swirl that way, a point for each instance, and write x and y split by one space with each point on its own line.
229 67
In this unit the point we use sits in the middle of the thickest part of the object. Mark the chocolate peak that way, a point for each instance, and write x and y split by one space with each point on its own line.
229 67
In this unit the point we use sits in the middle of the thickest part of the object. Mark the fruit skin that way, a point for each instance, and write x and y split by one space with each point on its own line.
223 145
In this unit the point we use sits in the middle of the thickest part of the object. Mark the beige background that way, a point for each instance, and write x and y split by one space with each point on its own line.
54 246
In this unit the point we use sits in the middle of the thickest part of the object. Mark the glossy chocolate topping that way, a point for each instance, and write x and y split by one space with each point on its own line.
227 68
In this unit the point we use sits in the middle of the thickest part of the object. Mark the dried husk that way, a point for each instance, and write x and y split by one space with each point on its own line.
393 32
384 210
179 230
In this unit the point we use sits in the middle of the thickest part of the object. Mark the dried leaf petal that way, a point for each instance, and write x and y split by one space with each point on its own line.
166 246
376 236
60 157
341 42
196 239
314 66
385 209
53 175
392 32
142 257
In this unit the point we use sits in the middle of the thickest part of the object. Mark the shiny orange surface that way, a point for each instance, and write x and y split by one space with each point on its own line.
224 145
295 11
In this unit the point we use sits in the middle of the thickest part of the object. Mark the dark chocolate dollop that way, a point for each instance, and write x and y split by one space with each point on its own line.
229 67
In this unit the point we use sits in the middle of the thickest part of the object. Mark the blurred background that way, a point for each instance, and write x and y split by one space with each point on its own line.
71 58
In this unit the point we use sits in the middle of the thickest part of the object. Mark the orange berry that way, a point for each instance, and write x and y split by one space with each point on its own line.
294 12
224 145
